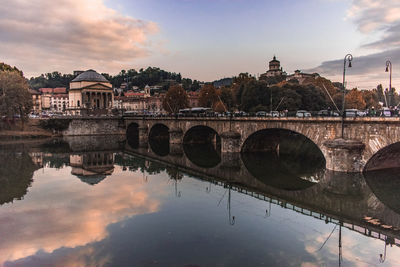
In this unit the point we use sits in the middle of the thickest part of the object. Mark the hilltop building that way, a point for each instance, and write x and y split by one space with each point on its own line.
301 77
90 92
274 70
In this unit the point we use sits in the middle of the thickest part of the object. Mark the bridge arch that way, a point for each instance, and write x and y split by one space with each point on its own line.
202 146
283 158
387 157
159 139
200 134
132 134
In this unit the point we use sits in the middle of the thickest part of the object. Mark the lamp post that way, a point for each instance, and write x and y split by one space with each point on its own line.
389 69
349 58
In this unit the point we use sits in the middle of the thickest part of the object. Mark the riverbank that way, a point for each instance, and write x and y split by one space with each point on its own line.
32 130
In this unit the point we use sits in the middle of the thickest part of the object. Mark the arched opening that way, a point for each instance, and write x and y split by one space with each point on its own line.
386 158
283 159
159 139
202 146
132 135
382 174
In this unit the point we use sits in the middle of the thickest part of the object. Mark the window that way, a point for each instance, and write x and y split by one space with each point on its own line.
79 103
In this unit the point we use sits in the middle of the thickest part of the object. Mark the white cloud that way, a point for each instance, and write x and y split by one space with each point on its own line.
43 35
372 17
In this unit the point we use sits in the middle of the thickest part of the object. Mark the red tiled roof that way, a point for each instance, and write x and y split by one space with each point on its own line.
57 90
60 90
46 90
131 94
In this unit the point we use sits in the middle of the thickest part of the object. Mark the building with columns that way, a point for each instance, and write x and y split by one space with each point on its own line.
90 92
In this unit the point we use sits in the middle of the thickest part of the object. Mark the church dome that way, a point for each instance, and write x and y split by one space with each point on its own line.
274 60
90 76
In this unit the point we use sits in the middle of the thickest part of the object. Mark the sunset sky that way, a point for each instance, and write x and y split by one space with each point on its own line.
203 39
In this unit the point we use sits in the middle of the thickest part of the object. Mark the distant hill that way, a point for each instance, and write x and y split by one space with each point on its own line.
223 82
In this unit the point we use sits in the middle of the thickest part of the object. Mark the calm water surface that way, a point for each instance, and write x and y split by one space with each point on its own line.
100 203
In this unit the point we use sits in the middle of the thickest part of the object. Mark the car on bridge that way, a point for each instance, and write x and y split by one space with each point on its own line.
261 114
303 114
327 113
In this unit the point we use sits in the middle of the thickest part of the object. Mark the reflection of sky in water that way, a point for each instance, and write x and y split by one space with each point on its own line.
124 221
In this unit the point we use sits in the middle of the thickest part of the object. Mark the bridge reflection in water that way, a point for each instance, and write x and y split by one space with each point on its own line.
305 187
365 203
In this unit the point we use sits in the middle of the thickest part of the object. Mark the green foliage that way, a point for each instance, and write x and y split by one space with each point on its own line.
51 80
6 67
14 95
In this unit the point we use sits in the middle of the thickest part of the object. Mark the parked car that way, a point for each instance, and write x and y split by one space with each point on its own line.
386 112
351 113
275 114
361 113
303 114
261 114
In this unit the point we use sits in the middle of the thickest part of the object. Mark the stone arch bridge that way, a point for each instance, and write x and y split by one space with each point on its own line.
367 143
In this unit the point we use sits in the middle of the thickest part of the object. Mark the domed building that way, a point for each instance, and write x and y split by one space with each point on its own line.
275 69
90 92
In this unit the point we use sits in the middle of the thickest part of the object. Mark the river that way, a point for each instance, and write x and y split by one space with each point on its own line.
99 202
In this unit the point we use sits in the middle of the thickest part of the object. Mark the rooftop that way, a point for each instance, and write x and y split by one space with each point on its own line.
90 76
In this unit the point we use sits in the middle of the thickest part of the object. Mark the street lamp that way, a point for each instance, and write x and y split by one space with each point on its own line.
389 69
349 58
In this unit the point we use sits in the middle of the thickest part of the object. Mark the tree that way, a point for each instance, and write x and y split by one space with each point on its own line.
15 98
208 96
354 99
370 98
226 96
175 99
219 107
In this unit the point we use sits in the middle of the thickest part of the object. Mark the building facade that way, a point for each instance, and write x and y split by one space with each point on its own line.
90 92
36 101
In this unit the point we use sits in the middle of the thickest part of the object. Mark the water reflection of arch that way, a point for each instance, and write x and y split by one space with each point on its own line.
132 134
202 146
339 195
283 158
159 139
92 167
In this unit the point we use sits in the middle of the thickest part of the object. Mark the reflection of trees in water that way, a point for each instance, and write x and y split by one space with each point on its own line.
385 184
16 171
133 164
295 162
202 155
56 161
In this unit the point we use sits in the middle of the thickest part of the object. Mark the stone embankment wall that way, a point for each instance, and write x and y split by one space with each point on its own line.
95 126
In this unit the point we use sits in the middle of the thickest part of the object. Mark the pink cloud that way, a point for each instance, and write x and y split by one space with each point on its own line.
42 35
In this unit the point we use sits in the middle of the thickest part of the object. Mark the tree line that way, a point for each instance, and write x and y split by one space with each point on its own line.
149 76
246 93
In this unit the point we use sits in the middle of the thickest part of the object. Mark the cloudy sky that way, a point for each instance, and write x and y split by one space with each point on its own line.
203 39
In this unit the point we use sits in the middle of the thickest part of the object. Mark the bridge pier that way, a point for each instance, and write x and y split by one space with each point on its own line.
230 142
344 155
175 136
143 136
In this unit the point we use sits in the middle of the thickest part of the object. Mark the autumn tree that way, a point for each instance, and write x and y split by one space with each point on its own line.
370 98
208 96
354 99
15 98
227 97
175 99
